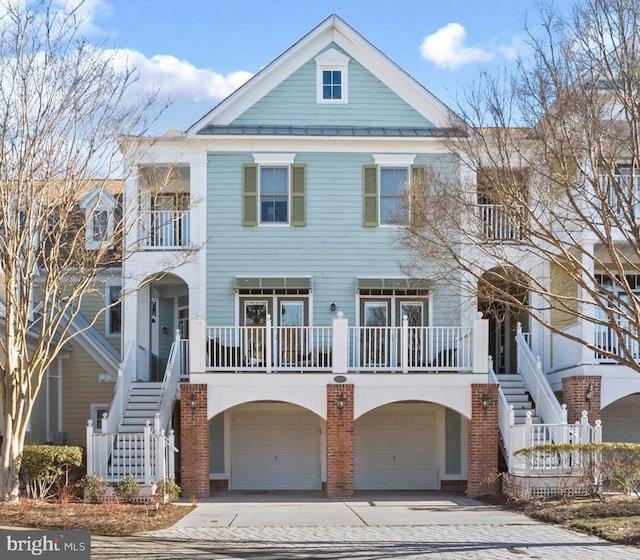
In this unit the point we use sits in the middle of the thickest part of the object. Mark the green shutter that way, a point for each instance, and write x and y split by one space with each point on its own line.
370 196
417 194
250 195
297 196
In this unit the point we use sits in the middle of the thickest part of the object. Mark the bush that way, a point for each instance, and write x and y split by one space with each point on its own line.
93 487
128 489
168 489
43 466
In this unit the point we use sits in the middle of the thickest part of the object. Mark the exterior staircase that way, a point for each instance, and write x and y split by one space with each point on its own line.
517 395
128 450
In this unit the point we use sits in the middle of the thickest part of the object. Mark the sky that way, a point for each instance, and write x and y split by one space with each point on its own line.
196 52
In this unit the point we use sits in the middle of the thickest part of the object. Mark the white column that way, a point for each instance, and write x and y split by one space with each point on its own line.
197 345
340 343
89 430
587 328
480 345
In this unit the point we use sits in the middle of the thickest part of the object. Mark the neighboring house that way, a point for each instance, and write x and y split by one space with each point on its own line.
79 385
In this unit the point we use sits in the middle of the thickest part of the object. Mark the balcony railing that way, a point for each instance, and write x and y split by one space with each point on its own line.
164 229
501 222
362 349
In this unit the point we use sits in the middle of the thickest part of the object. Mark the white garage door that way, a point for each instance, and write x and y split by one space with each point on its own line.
275 448
395 449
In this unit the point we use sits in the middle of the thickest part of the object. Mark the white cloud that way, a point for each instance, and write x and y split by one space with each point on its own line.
179 80
446 48
86 11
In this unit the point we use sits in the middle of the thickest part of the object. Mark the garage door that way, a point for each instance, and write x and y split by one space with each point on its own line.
395 449
275 448
621 420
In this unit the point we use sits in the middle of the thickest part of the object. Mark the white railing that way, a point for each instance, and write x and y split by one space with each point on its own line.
391 349
126 374
164 229
530 369
149 456
410 348
566 352
554 462
506 417
501 222
170 383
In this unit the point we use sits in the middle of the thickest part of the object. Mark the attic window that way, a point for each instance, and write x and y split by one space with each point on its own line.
331 72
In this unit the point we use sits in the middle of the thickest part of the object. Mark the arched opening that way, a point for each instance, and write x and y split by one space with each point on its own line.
502 298
163 309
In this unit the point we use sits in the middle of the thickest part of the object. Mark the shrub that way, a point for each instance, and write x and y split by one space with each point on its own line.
43 466
128 489
168 489
93 487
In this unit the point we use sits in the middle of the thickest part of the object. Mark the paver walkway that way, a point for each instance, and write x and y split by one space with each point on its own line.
291 527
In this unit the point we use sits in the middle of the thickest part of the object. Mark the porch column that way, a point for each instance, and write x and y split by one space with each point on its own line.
587 328
194 441
480 344
197 345
482 445
582 392
339 440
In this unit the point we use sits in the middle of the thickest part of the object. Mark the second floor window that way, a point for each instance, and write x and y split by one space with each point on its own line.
274 195
393 184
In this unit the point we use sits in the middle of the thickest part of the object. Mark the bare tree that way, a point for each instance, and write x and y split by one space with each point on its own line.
544 218
64 104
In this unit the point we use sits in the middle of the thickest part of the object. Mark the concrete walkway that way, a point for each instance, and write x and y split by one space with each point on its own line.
369 526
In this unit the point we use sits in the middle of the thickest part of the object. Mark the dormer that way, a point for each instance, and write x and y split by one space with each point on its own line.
332 78
99 208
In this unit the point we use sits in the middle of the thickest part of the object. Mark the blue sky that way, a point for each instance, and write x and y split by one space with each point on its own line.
199 51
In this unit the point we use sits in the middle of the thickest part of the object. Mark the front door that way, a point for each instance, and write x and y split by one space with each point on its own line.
291 335
374 341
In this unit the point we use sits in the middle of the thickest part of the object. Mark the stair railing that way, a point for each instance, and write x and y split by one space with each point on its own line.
170 383
126 373
530 368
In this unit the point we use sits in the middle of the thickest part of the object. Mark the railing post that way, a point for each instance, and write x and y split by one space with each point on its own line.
519 329
597 432
268 344
340 344
480 343
171 454
161 456
584 427
528 439
404 345
512 416
146 447
90 465
104 426
156 422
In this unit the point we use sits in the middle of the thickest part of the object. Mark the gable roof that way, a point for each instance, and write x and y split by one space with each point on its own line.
331 30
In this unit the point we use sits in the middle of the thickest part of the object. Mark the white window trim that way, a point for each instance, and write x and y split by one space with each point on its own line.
92 243
333 60
108 309
284 160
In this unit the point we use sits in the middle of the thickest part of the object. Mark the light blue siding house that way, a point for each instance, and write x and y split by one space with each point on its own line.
315 361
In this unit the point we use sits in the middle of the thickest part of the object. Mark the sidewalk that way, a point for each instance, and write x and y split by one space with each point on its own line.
403 526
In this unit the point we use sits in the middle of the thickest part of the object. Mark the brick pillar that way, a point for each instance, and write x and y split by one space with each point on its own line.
574 395
194 440
482 453
339 441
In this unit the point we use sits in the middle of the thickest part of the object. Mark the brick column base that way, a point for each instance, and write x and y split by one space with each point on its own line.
339 441
194 439
574 395
482 451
